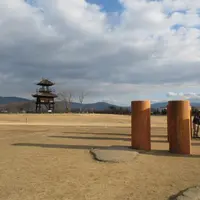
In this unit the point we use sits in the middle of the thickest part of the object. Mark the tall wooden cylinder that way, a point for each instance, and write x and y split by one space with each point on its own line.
140 125
168 120
191 124
179 127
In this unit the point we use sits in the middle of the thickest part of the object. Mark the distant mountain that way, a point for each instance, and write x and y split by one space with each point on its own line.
96 106
195 104
7 100
159 105
164 104
16 103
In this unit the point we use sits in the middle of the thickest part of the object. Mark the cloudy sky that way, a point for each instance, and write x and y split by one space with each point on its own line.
117 50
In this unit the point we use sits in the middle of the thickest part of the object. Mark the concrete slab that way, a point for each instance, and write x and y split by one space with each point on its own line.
114 154
192 193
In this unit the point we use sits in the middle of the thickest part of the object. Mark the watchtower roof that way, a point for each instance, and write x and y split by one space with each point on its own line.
47 95
45 82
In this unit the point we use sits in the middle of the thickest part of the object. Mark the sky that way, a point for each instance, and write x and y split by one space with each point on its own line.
117 51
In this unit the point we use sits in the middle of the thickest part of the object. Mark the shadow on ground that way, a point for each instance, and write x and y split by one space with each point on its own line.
195 144
89 147
153 131
102 138
86 133
113 134
91 138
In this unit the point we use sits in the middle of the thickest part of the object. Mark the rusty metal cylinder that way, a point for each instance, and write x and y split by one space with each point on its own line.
191 124
140 125
179 127
168 120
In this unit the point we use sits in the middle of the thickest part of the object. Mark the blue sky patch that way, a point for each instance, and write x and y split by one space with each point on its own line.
198 11
31 2
108 5
170 13
176 26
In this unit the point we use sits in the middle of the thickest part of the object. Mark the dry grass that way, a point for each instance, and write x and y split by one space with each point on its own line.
53 163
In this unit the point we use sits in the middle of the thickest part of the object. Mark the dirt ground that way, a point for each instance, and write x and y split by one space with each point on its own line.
46 157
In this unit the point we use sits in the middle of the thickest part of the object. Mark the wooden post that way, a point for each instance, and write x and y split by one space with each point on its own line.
140 125
191 124
168 121
179 127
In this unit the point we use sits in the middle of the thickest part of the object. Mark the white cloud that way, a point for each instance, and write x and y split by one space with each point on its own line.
72 43
181 95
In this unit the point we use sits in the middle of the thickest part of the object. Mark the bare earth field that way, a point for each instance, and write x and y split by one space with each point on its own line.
46 157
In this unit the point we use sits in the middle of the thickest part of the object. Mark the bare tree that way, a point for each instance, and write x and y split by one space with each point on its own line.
67 98
81 98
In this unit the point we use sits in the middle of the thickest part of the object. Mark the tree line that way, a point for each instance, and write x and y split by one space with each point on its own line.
67 97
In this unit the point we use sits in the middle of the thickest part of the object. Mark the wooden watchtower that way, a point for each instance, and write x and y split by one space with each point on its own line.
45 96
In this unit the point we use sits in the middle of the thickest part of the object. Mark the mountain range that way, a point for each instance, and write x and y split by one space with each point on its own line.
7 100
16 103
